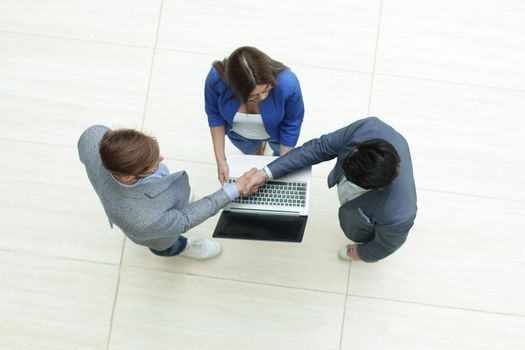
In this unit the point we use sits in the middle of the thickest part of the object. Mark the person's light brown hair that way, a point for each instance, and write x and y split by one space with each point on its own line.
128 152
246 68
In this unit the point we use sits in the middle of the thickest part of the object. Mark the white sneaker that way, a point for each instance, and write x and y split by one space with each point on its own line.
343 255
201 249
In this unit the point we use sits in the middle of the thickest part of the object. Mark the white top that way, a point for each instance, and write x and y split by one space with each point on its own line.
250 126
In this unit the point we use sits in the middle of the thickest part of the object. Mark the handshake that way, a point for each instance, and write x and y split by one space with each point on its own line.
250 181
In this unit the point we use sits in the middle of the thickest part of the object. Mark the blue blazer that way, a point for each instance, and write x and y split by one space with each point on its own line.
282 111
379 219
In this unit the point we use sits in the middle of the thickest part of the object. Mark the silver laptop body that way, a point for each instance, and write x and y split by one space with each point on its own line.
288 195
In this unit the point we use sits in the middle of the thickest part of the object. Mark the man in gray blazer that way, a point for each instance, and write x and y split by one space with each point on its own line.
140 196
375 184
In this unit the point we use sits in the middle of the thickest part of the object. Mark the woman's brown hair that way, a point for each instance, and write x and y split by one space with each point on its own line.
128 152
247 67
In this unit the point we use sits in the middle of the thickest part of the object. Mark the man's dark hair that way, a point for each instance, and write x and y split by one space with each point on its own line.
373 165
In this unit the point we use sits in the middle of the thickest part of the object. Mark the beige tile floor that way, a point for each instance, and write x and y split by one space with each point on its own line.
449 75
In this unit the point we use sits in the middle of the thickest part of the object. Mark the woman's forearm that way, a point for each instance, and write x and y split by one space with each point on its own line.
217 136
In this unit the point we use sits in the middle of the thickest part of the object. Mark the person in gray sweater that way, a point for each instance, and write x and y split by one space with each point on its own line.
140 195
375 184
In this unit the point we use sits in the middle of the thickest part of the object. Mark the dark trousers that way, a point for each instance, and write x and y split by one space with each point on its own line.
175 249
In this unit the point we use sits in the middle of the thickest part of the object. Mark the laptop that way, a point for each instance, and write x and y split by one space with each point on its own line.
278 211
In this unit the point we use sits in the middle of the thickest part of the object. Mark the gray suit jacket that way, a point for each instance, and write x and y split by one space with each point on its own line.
378 219
153 214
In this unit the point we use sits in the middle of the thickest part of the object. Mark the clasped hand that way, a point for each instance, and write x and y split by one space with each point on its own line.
250 181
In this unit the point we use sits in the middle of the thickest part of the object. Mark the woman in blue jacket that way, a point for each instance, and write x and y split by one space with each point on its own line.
254 100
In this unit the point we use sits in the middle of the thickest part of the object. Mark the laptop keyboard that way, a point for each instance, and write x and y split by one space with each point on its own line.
287 194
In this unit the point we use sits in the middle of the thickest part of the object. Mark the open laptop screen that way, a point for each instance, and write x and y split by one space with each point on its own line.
285 228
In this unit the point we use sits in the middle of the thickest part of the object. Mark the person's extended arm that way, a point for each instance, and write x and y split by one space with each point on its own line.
217 136
179 220
216 123
312 152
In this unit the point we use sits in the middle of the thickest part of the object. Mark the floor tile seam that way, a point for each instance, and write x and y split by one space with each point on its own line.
344 307
290 63
45 183
449 82
456 308
471 195
57 257
191 161
78 39
10 139
233 280
297 64
152 66
372 77
117 289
